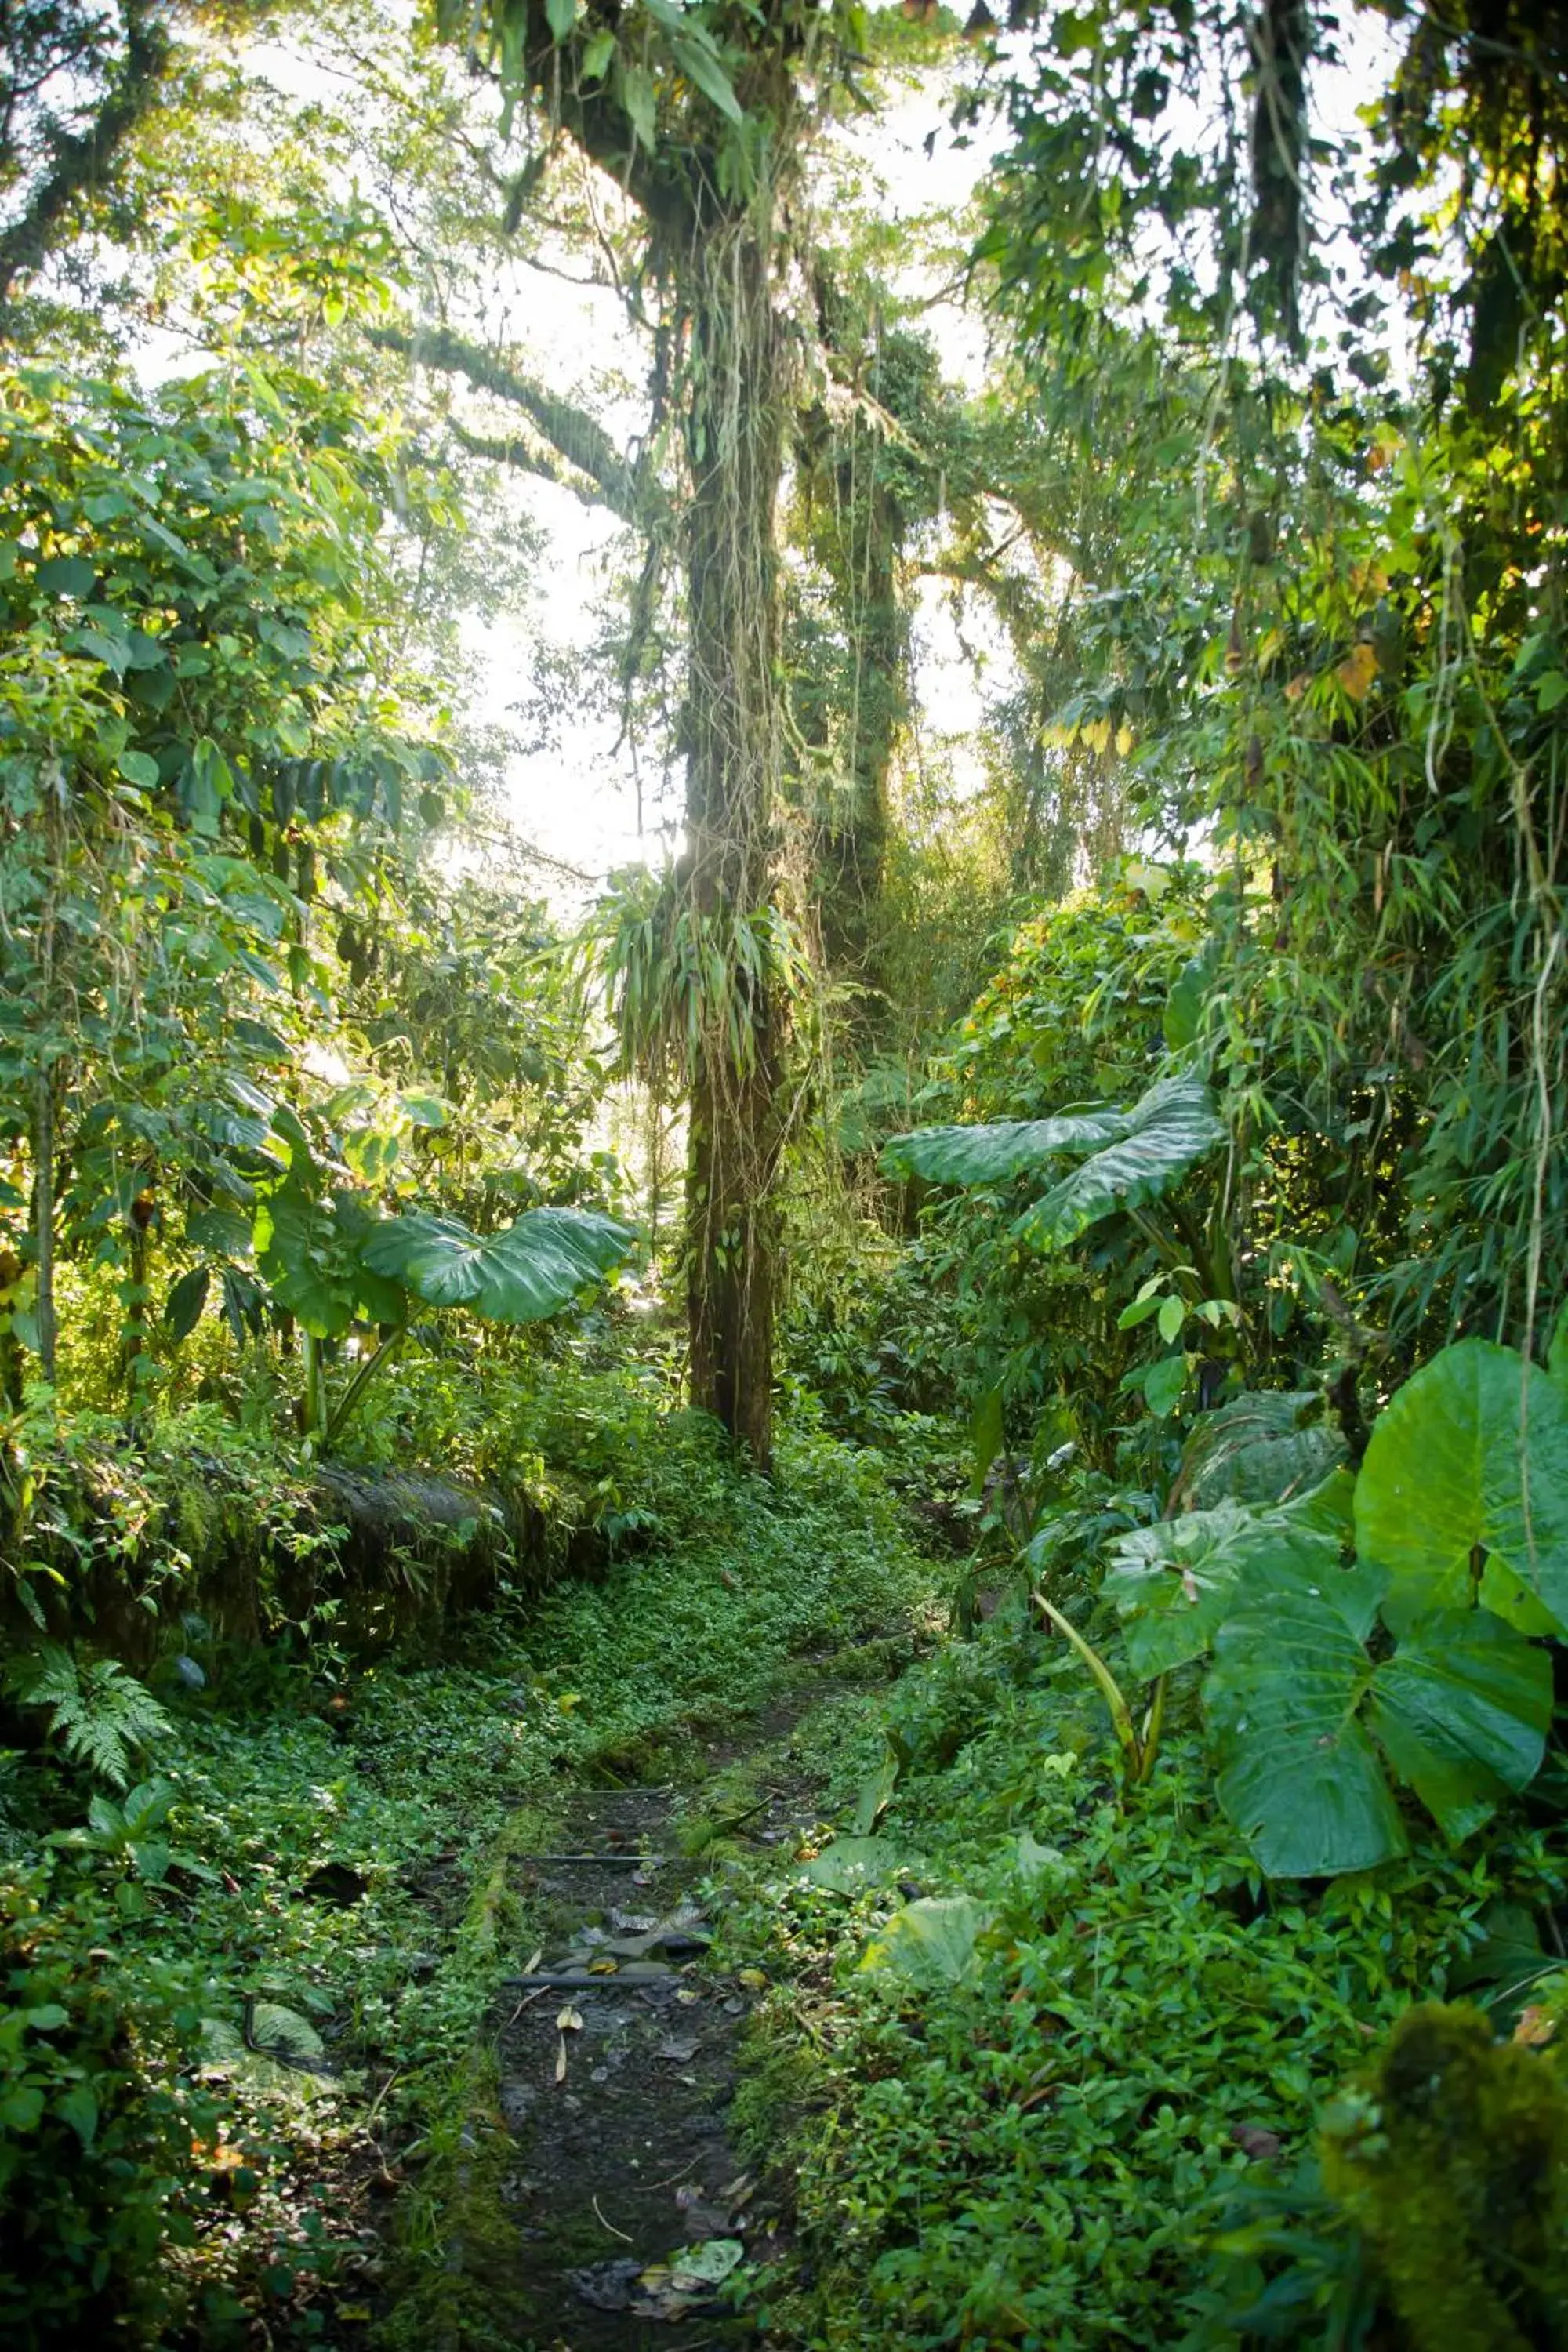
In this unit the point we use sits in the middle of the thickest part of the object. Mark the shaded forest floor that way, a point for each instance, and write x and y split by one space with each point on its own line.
598 2196
391 2158
719 1951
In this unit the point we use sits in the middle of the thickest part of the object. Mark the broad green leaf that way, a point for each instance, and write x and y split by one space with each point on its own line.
529 1271
1036 1863
251 1097
256 1034
1172 1314
183 1309
987 1437
850 1864
283 2033
1167 1132
703 67
1463 1710
223 1231
1444 1476
294 2070
638 97
139 768
1330 1507
1257 1449
989 1155
20 2109
706 2264
78 2108
1163 1384
67 575
1294 1704
877 1789
931 1943
1185 1005
312 1255
1298 1772
1140 1311
561 16
1174 1583
1557 1352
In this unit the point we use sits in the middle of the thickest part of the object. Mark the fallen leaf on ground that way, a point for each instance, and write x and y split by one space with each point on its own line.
570 2020
706 2264
657 2296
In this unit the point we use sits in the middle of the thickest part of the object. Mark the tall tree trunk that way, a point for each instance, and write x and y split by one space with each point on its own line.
44 1217
46 1077
734 722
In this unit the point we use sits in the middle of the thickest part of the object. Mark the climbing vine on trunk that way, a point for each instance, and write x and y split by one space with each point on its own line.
704 116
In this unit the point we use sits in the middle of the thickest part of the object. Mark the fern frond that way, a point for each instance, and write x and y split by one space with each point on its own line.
99 1713
46 1676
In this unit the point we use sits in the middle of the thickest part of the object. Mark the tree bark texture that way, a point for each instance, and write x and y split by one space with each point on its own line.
735 730
44 1217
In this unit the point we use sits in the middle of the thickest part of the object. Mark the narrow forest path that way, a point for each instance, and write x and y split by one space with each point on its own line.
622 2201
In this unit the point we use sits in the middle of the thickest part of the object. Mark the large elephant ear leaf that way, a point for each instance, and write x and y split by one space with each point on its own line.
1262 1448
1174 1583
1298 1713
1557 1352
1463 1710
1471 1458
1298 1772
1172 1128
989 1155
532 1270
308 1251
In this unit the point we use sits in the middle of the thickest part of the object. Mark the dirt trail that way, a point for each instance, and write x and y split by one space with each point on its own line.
625 2168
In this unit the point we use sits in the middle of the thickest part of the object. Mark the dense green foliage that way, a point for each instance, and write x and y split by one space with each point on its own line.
1035 2152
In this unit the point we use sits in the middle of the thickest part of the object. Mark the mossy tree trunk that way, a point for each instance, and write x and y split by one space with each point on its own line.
702 116
735 423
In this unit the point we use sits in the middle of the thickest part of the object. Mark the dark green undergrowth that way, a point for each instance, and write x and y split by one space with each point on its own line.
1034 2135
245 1995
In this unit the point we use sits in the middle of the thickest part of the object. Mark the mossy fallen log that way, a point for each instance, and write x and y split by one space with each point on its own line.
128 1537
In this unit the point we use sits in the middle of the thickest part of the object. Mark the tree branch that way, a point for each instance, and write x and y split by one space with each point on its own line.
530 453
577 450
79 158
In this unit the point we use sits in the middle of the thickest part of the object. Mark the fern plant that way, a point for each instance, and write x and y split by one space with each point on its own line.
99 1713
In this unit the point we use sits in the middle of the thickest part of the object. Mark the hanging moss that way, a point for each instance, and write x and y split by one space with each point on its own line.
1453 2161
